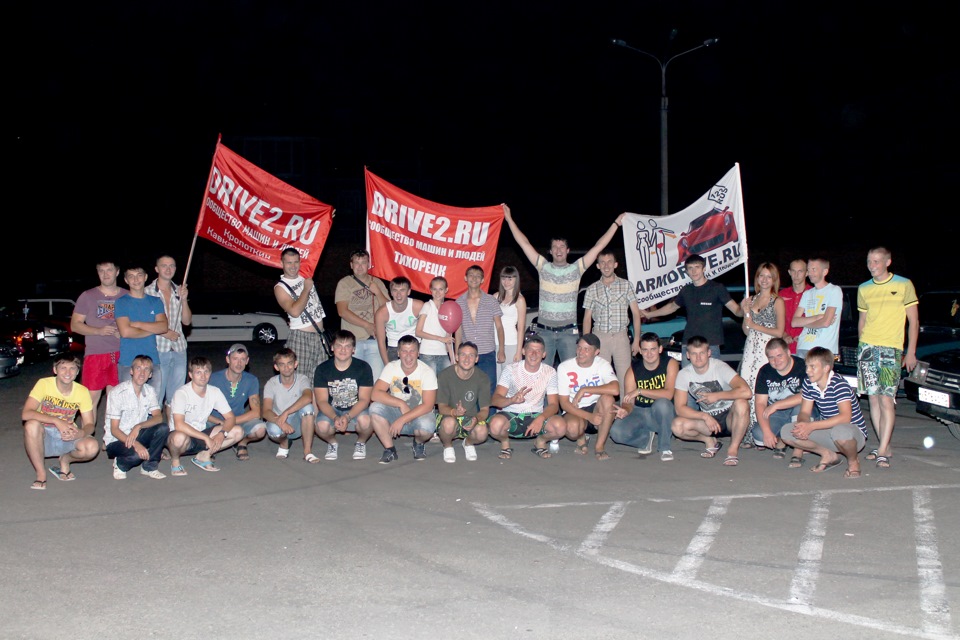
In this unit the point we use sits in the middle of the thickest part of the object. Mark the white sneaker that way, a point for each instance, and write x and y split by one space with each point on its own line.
331 451
666 456
449 455
469 451
360 451
649 446
155 474
554 446
117 474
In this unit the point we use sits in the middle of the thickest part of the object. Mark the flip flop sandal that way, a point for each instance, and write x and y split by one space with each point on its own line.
883 462
826 466
779 454
710 452
795 462
731 461
206 465
39 485
541 452
178 470
603 455
312 459
59 474
872 455
242 452
505 454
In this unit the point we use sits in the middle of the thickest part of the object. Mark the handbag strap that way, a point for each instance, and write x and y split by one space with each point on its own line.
307 313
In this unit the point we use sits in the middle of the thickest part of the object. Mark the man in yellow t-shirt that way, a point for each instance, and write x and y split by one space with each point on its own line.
50 422
886 302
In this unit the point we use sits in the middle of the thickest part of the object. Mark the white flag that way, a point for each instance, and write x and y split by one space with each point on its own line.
656 246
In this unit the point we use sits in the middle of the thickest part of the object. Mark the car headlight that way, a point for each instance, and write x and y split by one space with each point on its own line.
919 373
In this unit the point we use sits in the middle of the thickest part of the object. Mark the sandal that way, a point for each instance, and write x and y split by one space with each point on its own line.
850 474
206 465
312 459
826 466
883 462
580 448
178 470
242 452
542 452
603 455
282 453
59 474
731 461
505 454
39 485
872 455
709 452
780 454
795 462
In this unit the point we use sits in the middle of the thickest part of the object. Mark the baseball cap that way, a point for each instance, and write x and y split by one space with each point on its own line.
591 339
239 347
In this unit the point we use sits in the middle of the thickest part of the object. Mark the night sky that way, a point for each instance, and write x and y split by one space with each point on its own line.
840 115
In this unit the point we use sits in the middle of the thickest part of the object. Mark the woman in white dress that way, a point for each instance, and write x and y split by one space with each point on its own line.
514 307
763 318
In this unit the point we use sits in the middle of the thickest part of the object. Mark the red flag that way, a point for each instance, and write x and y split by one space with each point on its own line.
419 239
257 215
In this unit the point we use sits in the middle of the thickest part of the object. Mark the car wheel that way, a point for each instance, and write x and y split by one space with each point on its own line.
265 333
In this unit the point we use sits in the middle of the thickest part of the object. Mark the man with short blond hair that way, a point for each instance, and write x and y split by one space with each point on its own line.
886 302
818 314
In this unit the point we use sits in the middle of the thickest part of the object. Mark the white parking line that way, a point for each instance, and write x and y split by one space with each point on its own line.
689 564
805 576
933 591
935 618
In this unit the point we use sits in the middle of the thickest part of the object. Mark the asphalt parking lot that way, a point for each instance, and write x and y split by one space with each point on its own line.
526 548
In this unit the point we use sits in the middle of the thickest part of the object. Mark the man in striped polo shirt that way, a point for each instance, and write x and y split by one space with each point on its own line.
841 431
556 319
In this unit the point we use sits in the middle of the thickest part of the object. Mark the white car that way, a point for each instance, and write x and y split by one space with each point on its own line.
219 320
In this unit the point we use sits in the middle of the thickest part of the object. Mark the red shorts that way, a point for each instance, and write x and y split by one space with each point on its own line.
100 371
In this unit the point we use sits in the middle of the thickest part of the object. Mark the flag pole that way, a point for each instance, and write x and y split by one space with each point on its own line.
743 225
203 200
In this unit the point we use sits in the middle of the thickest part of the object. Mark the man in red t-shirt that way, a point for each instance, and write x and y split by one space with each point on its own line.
791 299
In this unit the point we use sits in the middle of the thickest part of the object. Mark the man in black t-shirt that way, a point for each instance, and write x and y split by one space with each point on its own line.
777 396
702 301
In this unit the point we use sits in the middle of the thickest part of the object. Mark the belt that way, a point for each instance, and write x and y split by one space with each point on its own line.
563 328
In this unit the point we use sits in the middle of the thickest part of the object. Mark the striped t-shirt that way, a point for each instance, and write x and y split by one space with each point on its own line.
541 383
838 390
559 287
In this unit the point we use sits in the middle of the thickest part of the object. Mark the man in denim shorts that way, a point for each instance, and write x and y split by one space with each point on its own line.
529 398
885 302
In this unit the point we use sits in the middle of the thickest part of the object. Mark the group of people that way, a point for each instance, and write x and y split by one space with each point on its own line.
395 371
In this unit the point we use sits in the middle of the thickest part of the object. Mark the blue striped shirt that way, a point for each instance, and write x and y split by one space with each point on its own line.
827 401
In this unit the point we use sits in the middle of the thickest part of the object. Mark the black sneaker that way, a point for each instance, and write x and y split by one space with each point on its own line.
389 455
419 450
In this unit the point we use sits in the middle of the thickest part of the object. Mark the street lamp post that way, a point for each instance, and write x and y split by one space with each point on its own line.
664 105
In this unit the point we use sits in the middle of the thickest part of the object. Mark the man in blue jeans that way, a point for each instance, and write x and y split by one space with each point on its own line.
646 409
777 397
556 319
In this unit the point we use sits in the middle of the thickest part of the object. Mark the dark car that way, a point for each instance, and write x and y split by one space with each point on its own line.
939 328
712 229
46 314
934 385
10 359
27 336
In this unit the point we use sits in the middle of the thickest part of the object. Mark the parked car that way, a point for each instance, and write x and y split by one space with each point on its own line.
934 385
10 359
52 315
233 319
939 327
27 338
